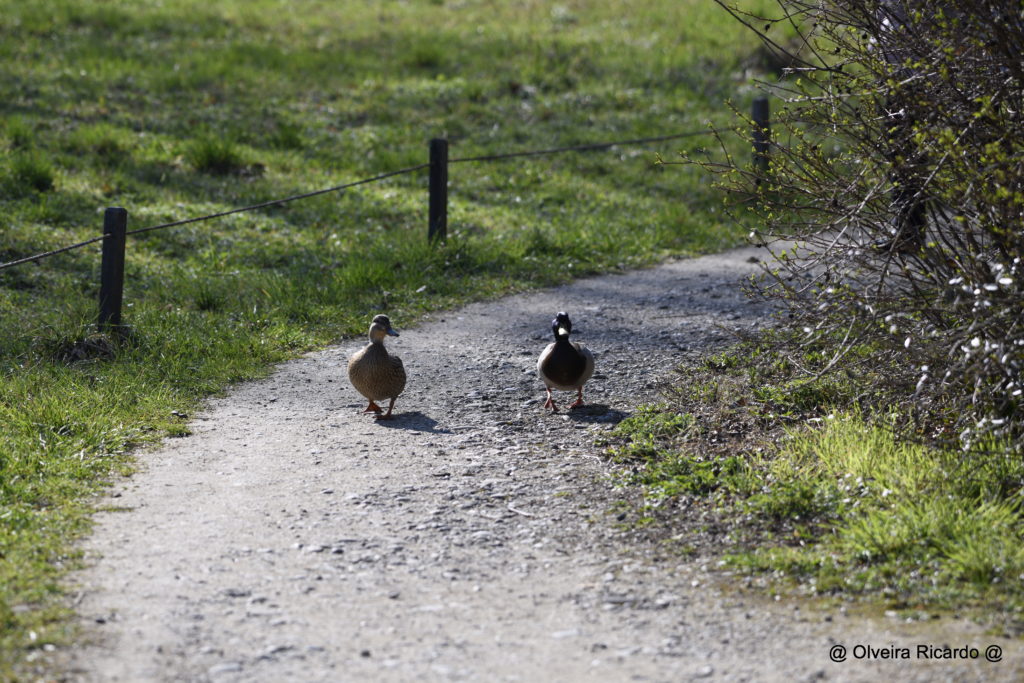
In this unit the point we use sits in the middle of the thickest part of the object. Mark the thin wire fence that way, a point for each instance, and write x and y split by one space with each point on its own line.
338 188
578 148
61 250
275 202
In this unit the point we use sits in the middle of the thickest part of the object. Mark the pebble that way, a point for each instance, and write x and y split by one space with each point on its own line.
225 668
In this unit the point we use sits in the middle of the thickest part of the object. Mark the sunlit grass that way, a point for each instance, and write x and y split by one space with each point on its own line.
914 524
836 505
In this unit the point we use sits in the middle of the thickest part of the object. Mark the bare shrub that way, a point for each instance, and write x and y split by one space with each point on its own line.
897 168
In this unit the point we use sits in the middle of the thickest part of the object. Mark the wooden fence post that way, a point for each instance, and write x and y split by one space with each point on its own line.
115 226
762 135
438 207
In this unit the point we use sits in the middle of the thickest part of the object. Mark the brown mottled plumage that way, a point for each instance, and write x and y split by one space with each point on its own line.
374 372
564 365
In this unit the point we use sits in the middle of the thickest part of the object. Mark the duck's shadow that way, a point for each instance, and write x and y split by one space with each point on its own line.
414 421
598 413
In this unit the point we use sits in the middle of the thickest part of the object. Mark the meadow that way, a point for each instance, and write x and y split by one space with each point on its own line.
176 109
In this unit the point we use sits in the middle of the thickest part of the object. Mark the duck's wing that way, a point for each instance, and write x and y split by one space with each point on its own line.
361 371
588 357
542 362
356 357
398 375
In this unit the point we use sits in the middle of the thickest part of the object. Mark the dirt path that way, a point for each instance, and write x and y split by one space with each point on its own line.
472 538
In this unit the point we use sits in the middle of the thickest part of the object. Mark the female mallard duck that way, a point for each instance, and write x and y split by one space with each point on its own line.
374 372
564 365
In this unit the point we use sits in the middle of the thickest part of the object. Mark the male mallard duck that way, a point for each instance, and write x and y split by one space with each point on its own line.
374 372
564 365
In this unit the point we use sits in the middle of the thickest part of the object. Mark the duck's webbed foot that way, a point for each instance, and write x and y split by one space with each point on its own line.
387 415
550 403
373 408
579 399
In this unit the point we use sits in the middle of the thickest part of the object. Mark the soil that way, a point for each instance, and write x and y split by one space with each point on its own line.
474 537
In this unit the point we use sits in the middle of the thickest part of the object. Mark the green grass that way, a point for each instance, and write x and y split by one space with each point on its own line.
28 173
183 108
833 505
916 525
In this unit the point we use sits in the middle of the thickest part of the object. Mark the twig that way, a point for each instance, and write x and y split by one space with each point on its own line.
520 512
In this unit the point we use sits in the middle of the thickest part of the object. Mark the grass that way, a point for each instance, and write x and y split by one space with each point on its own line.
183 108
28 173
916 525
834 505
215 155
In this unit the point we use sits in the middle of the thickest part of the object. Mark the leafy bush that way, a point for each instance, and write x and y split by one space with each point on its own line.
896 168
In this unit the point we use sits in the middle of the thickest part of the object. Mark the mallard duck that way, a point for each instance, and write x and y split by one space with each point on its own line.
374 372
563 364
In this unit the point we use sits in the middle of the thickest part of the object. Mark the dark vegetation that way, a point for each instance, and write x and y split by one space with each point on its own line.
898 168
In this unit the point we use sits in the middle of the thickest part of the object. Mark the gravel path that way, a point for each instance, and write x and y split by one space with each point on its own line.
472 538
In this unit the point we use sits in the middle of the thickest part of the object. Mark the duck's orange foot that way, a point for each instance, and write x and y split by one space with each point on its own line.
387 415
373 408
579 399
